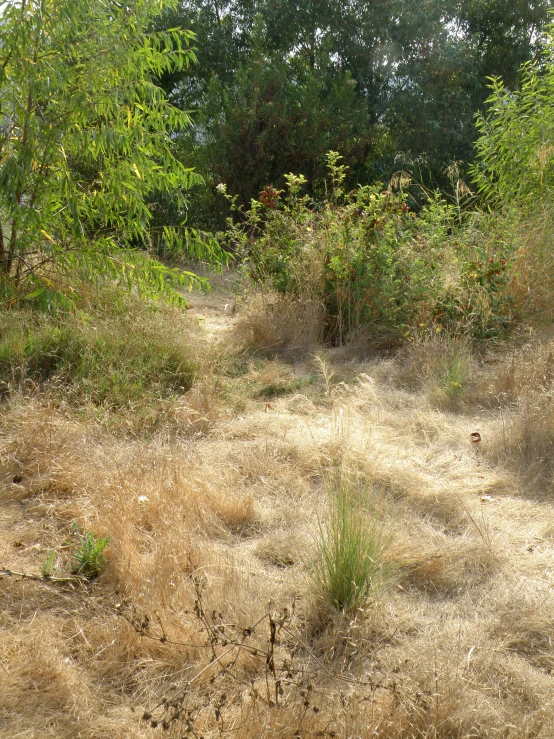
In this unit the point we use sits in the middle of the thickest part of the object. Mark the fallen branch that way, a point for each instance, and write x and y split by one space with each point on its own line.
44 578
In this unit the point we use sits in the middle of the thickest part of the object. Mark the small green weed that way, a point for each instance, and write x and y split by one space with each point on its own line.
350 566
48 564
451 374
441 364
90 560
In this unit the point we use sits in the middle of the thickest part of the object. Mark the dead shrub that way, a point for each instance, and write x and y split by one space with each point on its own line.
443 365
271 321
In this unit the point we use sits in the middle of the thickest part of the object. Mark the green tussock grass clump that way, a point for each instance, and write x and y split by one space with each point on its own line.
350 567
111 359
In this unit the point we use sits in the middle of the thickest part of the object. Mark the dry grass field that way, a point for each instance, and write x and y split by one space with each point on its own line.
211 618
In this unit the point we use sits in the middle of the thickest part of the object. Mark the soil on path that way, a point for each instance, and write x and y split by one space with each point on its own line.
215 308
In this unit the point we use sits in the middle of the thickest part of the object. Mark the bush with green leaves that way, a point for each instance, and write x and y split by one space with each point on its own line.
379 268
86 137
372 262
515 164
514 173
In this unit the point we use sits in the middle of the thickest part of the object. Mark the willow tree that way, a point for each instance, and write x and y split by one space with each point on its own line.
86 143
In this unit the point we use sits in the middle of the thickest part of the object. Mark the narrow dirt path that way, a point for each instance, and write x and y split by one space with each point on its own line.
215 308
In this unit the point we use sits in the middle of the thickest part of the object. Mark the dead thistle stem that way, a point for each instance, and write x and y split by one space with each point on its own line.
283 681
77 579
219 634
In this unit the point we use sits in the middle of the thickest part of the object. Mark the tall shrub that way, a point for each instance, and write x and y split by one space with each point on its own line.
364 255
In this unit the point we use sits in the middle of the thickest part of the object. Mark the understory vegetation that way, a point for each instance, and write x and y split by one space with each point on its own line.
126 365
366 265
315 500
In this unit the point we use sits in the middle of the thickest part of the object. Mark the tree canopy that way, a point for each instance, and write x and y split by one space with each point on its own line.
280 82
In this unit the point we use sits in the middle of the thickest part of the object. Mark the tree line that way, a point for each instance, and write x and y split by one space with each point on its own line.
122 125
390 85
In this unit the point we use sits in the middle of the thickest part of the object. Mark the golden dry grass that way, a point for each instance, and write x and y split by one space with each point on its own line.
211 538
271 321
